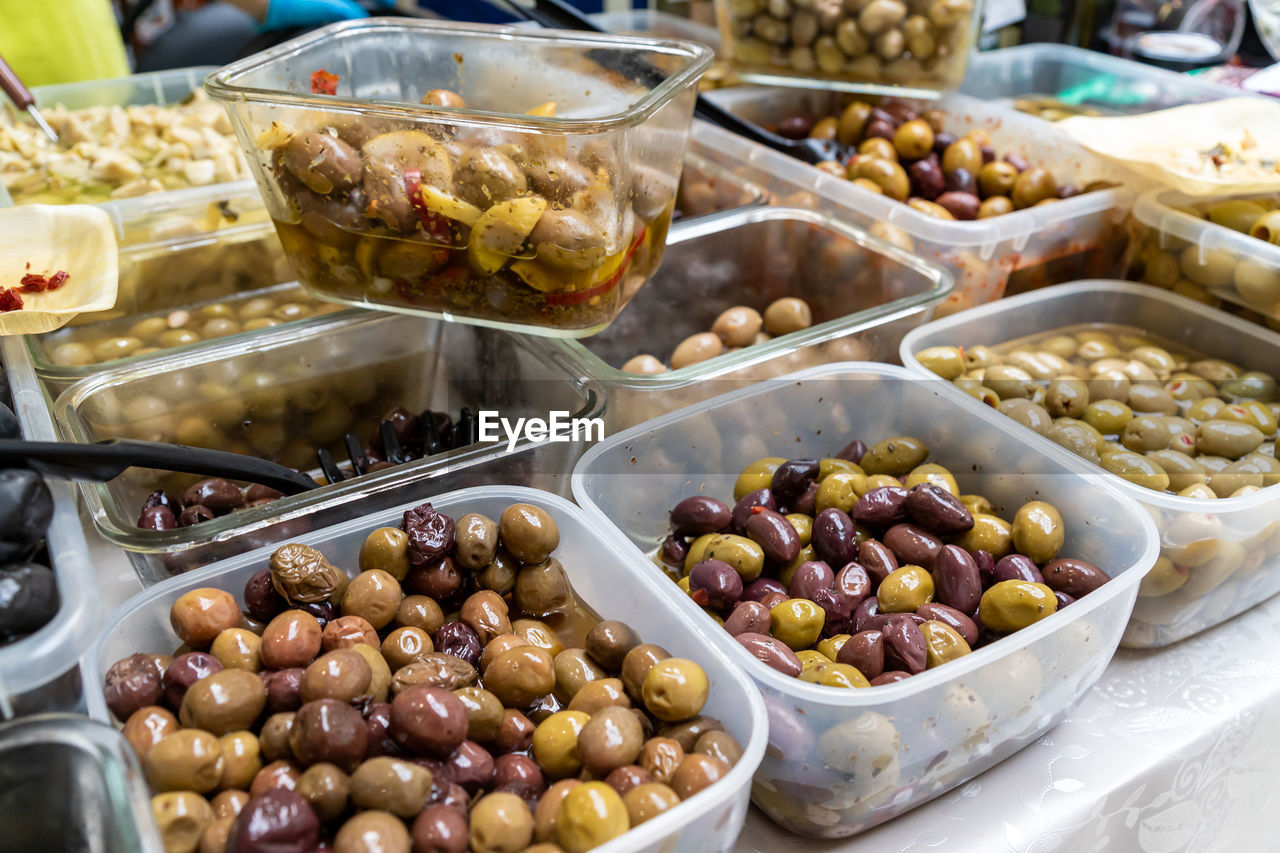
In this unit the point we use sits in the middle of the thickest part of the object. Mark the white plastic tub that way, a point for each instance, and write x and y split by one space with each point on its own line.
40 672
1193 255
920 737
1081 237
1231 545
605 571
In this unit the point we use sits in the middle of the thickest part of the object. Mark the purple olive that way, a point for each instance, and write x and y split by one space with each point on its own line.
834 537
810 577
699 514
742 509
881 507
792 478
715 583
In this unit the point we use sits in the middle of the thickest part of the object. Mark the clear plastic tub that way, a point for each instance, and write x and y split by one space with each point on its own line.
918 48
443 222
67 783
1203 260
40 671
1028 76
842 760
606 573
707 187
1230 546
1081 237
864 295
283 394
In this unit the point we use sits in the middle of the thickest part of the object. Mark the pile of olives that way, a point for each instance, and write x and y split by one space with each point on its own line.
1146 410
85 345
869 566
453 695
907 155
736 327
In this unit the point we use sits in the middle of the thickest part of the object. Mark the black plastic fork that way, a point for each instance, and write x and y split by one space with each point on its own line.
465 432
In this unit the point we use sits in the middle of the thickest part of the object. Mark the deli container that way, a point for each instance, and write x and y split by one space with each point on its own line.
842 760
707 187
1053 81
864 295
886 46
605 571
1202 260
281 395
68 783
1230 546
40 672
542 206
1081 237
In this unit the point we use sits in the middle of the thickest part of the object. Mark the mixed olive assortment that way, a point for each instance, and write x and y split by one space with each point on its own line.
509 227
1051 108
921 43
870 566
736 327
454 695
81 346
1153 413
907 155
1193 271
414 437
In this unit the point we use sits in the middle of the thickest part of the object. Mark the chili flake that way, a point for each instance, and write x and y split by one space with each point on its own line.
36 282
324 83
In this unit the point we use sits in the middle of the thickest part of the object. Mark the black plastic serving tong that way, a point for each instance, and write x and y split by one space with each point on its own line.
557 14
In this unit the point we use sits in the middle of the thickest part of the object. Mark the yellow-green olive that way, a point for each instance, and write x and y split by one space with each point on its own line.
942 643
797 622
840 490
989 533
1228 438
744 555
894 456
757 475
1014 604
1038 531
905 590
947 362
1136 469
1108 417
931 472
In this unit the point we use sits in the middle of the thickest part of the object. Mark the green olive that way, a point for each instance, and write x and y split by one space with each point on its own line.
838 675
1257 283
797 622
1032 187
1009 381
1070 434
1268 466
1205 409
1267 227
1236 214
1149 398
590 815
829 466
744 555
555 743
757 475
1108 417
886 174
942 642
905 590
1012 605
840 490
990 533
1038 531
1136 469
997 178
1183 471
1144 433
1215 268
977 504
931 472
877 148
996 205
697 551
894 456
1165 577
947 362
1235 476
852 122
962 154
803 526
1231 439
976 357
913 139
831 646
1253 385
1067 398
1027 413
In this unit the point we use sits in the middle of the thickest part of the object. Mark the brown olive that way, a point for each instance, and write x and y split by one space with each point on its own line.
608 643
236 648
386 549
273 739
603 693
202 614
347 631
391 784
521 675
737 326
660 757
226 701
484 713
696 348
528 532
300 573
420 611
342 674
146 727
428 720
539 634
637 663
372 832
475 541
646 802
278 775
573 670
697 772
611 738
721 745
405 645
962 154
241 759
181 817
485 612
326 789
1032 187
291 639
786 315
189 759
374 596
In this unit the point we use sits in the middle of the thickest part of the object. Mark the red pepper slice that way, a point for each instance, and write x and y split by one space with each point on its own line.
10 300
604 287
324 83
57 280
33 282
438 227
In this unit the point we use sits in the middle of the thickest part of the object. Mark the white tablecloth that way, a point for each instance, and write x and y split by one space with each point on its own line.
1175 749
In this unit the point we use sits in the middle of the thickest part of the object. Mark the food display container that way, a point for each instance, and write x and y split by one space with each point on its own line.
864 295
1085 236
542 205
40 672
708 187
605 572
1230 546
1053 81
842 760
919 47
1202 260
282 394
67 783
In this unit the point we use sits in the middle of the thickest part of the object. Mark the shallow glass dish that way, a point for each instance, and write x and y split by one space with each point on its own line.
537 199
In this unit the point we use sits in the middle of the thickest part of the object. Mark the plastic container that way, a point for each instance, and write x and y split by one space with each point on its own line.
864 295
606 573
281 395
40 672
1230 546
840 760
707 187
1031 76
917 48
1205 261
1081 237
67 783
611 150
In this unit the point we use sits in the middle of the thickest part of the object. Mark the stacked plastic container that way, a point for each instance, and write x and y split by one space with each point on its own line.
841 760
708 821
1230 546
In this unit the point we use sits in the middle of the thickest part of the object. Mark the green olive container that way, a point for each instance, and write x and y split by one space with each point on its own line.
1230 547
926 734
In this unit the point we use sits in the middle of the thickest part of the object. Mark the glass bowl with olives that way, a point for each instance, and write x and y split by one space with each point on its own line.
433 674
1178 411
407 169
845 756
